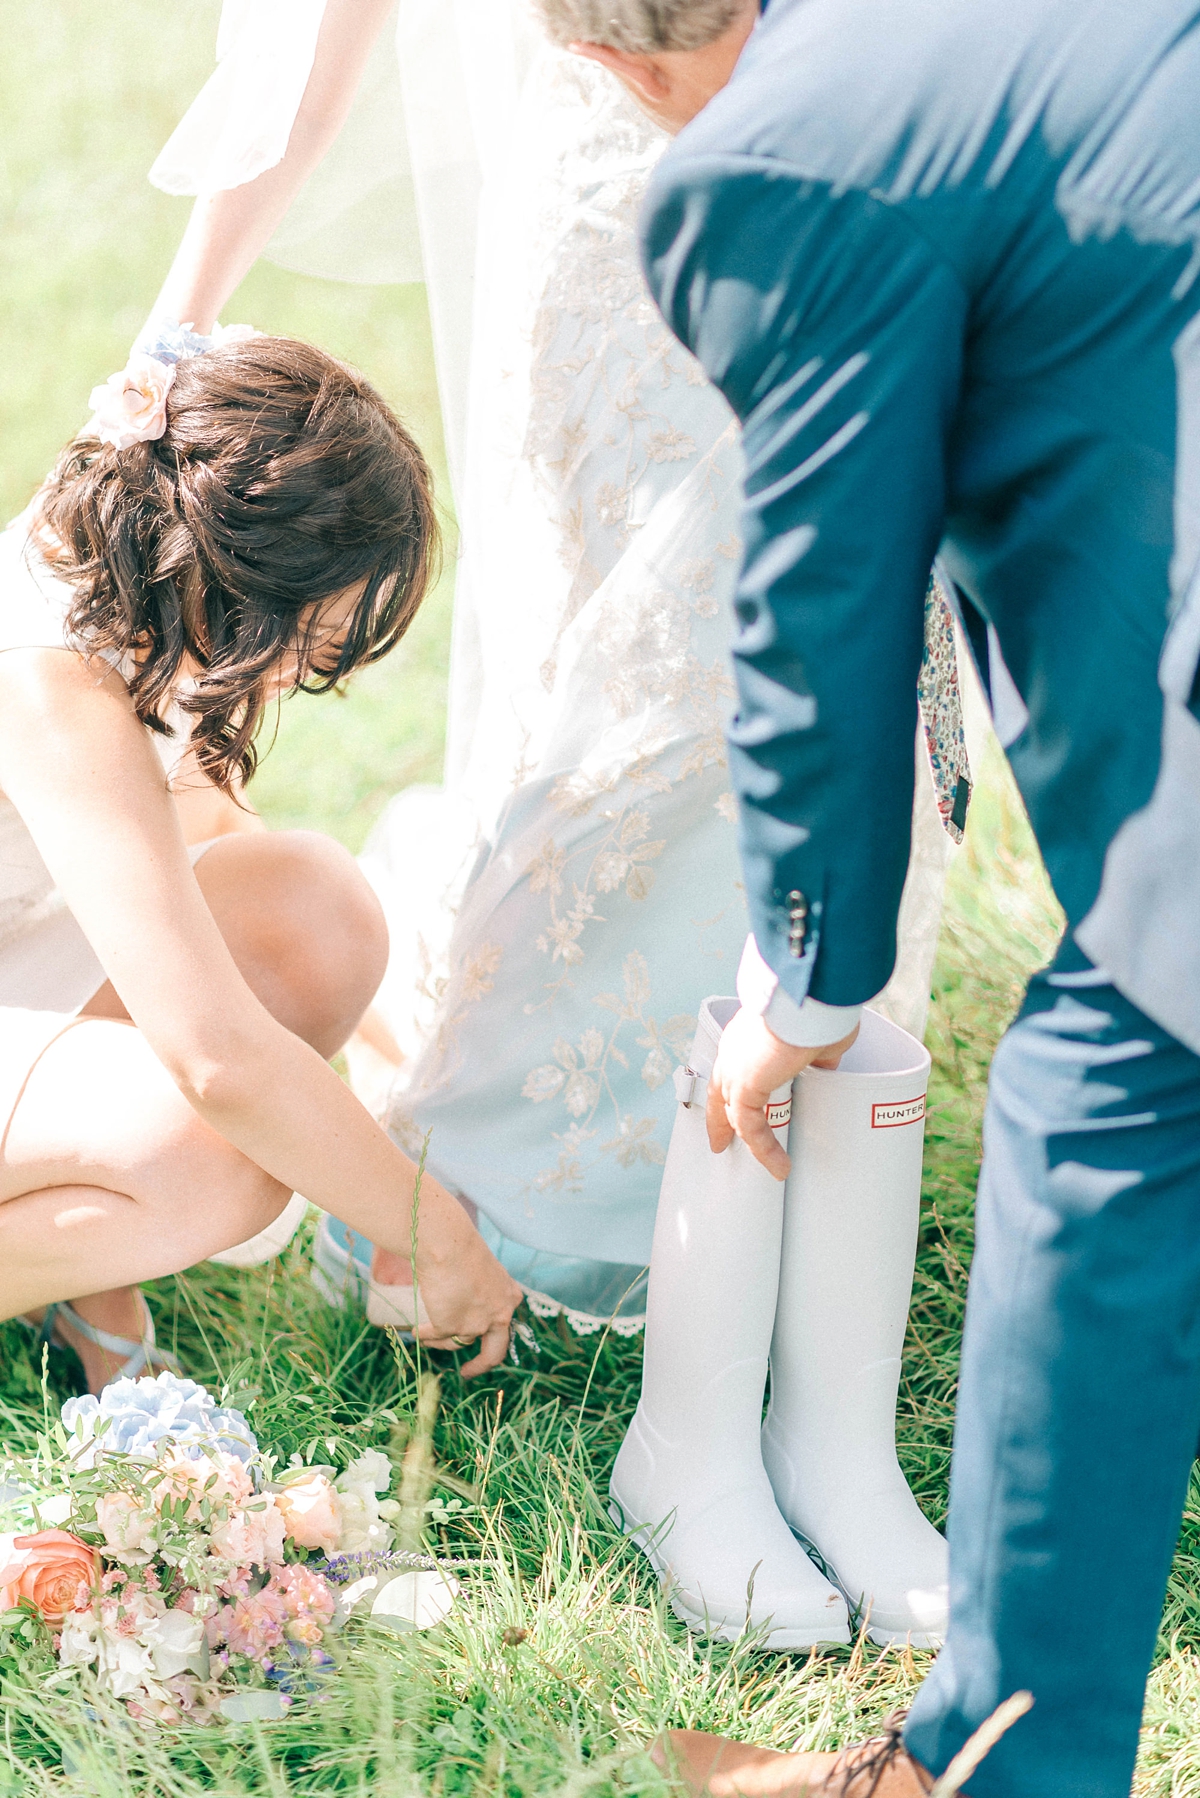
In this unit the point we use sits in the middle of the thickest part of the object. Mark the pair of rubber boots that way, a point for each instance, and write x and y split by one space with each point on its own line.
812 1278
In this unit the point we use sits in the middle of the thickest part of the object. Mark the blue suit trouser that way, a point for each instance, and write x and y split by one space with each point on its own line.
1079 1400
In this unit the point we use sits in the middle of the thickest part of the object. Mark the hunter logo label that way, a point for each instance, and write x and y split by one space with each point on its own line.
780 1114
899 1111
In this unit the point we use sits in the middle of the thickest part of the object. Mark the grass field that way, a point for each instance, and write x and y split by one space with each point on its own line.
559 1664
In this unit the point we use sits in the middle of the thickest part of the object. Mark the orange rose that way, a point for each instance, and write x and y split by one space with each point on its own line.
47 1569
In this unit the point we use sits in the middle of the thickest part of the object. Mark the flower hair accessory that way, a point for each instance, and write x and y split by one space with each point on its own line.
131 407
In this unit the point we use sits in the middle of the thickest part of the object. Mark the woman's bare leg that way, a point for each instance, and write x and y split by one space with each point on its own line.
108 1177
303 926
309 937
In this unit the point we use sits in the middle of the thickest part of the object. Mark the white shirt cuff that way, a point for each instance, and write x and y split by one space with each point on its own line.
809 1024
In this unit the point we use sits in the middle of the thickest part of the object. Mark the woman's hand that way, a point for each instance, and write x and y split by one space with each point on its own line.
466 1292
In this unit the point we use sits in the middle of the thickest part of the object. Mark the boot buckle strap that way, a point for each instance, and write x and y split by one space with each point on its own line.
686 1082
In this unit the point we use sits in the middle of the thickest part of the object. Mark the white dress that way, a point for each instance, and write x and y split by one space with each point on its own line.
562 906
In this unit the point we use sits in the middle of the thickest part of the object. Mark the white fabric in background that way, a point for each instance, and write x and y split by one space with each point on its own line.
239 124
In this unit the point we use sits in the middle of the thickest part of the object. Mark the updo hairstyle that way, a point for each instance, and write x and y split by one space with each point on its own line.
282 480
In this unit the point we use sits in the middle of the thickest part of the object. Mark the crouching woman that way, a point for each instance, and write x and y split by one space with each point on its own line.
173 977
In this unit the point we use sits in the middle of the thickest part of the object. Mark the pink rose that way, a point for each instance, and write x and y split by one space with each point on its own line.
233 1484
251 1538
312 1513
221 1479
48 1569
310 1602
131 407
254 1625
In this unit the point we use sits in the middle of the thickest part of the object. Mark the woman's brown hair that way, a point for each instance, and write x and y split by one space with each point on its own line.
282 480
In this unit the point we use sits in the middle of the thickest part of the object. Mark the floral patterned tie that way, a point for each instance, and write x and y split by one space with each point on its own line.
940 699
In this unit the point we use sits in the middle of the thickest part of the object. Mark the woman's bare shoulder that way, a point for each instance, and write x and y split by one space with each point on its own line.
55 706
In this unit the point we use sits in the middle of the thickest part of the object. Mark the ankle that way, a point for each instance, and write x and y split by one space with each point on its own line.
118 1311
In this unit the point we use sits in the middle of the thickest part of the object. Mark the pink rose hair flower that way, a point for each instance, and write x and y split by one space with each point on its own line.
131 407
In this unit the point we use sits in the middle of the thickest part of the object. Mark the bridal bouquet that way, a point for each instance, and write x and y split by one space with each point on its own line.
162 1548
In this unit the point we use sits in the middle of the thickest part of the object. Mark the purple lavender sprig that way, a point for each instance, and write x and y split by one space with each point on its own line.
339 1570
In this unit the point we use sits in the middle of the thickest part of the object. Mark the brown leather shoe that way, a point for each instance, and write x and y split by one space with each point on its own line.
715 1767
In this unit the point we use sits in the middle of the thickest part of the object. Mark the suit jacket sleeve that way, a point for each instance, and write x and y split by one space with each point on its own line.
835 332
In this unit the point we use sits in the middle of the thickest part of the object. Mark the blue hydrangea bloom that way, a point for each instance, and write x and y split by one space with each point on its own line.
142 1414
171 342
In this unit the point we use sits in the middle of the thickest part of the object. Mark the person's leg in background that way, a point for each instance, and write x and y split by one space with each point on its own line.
1079 1398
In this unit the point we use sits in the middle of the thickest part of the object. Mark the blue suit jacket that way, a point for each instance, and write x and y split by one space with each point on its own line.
942 259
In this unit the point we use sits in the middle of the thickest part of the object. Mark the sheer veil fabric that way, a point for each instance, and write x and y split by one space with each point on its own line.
563 905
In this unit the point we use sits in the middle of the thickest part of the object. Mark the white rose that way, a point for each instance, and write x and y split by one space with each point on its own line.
177 1643
127 1526
126 1664
372 1468
78 1645
361 1525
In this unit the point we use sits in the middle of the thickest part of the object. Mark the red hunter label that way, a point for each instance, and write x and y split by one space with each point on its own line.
779 1114
897 1112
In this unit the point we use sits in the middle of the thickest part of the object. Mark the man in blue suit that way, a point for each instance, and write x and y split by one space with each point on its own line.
943 259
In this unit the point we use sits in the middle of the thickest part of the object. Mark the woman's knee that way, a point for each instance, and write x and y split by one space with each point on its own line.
303 924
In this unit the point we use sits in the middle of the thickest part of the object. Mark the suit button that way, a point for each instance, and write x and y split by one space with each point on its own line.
797 923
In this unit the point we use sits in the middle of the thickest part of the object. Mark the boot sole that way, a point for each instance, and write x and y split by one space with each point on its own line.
904 1638
778 1641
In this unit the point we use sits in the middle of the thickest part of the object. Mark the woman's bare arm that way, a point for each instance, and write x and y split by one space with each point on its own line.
228 229
82 772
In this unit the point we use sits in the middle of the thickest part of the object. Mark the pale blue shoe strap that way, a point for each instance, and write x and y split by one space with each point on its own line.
140 1355
346 1242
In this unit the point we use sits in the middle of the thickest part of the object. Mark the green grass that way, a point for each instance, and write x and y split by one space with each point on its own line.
560 1663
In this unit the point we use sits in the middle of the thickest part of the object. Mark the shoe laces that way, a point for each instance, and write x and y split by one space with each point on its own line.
860 1770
